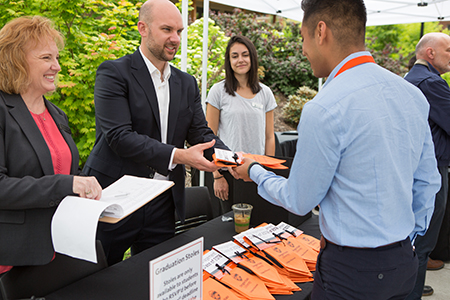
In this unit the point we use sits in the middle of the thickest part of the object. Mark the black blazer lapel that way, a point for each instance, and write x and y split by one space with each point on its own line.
21 114
63 126
174 104
140 72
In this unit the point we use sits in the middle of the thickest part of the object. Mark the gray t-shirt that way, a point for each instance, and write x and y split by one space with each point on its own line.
242 122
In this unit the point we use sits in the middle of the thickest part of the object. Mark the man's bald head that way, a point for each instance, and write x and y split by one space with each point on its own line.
160 26
150 6
435 48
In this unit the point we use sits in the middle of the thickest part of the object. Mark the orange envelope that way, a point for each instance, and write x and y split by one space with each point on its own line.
304 251
275 282
214 290
271 162
292 232
233 160
310 241
227 272
284 259
246 284
289 259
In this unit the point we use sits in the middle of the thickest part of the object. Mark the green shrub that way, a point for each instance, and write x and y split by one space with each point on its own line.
217 44
292 110
388 57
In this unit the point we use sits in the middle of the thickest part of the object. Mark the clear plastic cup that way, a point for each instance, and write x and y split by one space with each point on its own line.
242 213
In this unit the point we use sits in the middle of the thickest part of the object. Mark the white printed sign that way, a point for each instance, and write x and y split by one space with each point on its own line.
178 275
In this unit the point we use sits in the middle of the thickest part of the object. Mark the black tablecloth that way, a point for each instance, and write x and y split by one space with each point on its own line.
129 279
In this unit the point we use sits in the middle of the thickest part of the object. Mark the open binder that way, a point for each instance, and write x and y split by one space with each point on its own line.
125 196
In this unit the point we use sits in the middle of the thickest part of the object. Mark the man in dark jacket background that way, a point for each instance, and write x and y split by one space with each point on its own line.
433 60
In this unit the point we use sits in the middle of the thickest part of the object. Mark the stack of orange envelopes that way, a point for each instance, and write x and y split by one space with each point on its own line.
298 246
276 283
270 162
227 272
286 261
213 290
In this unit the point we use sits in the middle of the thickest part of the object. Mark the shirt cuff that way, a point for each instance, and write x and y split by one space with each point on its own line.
172 165
255 171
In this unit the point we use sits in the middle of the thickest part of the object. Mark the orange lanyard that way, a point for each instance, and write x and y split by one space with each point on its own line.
355 62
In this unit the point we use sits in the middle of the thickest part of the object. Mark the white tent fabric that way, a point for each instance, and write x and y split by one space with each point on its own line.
379 12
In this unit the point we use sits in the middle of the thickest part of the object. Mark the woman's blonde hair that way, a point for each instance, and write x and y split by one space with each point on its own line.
16 38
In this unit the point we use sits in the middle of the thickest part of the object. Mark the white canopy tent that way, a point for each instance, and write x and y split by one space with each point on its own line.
379 12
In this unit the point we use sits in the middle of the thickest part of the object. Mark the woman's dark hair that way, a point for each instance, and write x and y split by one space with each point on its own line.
231 83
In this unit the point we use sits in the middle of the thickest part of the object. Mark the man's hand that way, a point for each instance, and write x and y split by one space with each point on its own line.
193 157
241 172
221 188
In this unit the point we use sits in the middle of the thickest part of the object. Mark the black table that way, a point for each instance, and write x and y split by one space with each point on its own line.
129 279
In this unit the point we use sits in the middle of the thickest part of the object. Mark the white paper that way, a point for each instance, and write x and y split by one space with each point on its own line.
212 259
225 155
229 249
74 224
129 192
74 227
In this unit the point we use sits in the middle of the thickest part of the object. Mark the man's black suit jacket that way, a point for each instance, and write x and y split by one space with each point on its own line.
29 189
128 135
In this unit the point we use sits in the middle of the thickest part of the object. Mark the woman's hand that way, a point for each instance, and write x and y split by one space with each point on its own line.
87 187
220 187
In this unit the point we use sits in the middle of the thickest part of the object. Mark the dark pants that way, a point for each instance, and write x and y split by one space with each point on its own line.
425 244
145 228
382 273
442 249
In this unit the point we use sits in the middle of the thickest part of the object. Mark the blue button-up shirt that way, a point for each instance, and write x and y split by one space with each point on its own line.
365 154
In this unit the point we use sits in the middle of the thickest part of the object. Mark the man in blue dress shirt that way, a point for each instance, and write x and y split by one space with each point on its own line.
433 59
365 156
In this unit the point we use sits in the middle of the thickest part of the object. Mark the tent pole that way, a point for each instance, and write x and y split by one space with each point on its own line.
204 67
184 34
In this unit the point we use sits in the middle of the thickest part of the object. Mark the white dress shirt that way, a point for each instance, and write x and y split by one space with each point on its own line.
162 89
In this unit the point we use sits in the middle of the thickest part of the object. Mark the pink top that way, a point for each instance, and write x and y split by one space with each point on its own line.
59 150
61 155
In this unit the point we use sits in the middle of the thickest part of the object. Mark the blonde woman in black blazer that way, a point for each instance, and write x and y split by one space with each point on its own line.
30 191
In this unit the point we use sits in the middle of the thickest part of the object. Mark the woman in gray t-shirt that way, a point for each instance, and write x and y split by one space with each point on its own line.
240 108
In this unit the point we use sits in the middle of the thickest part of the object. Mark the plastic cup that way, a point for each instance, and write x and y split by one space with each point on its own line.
242 213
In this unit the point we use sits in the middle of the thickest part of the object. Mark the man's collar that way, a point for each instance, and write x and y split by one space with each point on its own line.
345 60
428 65
151 67
422 62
